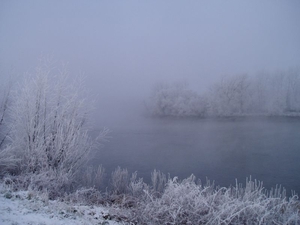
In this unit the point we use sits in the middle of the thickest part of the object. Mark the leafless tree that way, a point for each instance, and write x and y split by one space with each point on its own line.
230 96
49 132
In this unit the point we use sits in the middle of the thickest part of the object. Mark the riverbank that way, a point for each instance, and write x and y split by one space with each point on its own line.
179 202
29 207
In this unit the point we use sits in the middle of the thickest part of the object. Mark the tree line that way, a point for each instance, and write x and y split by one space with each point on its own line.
240 95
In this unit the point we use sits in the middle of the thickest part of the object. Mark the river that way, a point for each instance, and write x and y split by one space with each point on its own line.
221 149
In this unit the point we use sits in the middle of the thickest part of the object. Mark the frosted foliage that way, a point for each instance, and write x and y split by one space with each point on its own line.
186 202
230 96
93 177
5 92
183 202
7 161
48 130
264 94
136 186
176 100
120 181
240 95
158 181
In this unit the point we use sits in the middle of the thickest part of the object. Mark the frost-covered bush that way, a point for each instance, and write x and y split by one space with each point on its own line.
126 191
265 94
137 186
158 182
230 96
176 100
5 95
49 132
88 196
55 185
186 202
8 162
119 181
123 184
48 124
92 177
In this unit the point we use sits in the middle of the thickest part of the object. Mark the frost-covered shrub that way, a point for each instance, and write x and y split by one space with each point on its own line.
48 125
5 100
119 181
158 182
8 162
56 185
176 100
137 186
230 96
92 177
180 203
186 202
126 191
123 184
49 133
16 183
89 196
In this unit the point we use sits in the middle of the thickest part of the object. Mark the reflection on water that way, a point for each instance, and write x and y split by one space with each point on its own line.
268 149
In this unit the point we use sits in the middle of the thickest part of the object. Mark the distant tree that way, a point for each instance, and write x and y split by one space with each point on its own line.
177 100
230 96
259 90
292 99
264 94
279 92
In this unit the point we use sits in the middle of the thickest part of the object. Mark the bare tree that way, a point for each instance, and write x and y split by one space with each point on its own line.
49 133
292 83
230 96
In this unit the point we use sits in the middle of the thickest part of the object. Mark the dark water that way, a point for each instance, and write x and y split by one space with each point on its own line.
268 149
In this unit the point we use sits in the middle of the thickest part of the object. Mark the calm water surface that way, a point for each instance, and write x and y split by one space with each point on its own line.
223 150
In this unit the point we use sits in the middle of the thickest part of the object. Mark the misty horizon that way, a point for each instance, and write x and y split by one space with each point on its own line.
125 48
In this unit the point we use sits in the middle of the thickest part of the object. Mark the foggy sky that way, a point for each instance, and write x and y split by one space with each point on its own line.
124 47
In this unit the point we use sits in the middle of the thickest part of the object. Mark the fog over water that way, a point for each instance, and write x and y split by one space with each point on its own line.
124 48
222 149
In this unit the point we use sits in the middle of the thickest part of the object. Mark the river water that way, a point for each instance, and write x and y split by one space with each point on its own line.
222 149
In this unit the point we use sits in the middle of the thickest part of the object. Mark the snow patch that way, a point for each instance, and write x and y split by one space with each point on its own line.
24 207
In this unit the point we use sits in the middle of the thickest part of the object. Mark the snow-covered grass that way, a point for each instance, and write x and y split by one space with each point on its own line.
165 201
187 202
34 208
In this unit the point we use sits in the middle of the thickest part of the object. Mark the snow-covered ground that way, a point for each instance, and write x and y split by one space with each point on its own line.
25 207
